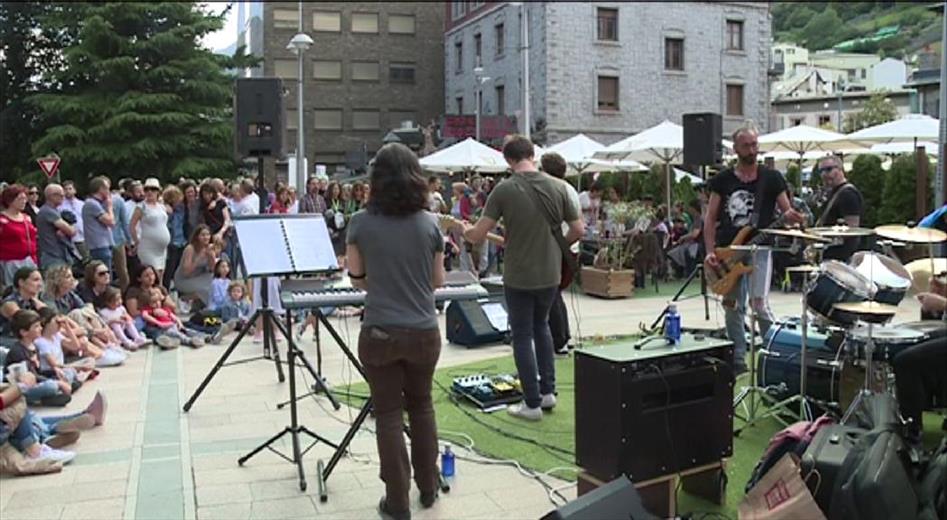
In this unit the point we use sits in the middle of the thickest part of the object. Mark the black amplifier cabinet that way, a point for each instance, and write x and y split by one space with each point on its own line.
653 411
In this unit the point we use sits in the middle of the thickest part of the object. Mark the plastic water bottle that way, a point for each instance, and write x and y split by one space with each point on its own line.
447 462
672 325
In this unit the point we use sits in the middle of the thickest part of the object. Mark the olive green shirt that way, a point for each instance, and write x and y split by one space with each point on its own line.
532 258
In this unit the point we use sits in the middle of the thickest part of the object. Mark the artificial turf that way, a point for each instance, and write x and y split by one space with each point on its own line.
553 439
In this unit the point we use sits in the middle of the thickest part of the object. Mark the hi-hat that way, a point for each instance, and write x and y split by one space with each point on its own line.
867 308
912 234
841 231
795 233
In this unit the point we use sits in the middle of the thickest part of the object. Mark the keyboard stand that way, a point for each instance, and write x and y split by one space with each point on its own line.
319 385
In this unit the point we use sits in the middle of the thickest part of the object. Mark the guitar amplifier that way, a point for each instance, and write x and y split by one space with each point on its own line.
653 411
473 323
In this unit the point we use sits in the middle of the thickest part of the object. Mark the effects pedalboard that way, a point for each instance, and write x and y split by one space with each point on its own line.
488 392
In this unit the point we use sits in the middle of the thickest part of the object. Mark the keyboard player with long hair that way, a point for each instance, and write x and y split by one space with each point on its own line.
395 253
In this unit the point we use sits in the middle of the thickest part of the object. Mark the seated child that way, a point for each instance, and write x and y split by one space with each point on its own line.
163 322
51 356
118 319
36 388
219 286
234 312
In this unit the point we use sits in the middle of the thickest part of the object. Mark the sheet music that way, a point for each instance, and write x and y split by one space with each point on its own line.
264 246
310 244
496 314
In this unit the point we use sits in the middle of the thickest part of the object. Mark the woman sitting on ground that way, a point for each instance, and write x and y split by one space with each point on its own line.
145 280
396 253
27 284
195 273
83 321
96 280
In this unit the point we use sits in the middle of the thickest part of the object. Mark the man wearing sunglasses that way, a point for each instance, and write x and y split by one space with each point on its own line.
844 206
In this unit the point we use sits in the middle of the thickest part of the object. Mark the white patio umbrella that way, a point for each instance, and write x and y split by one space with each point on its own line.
680 174
907 129
802 138
662 143
468 155
577 151
895 148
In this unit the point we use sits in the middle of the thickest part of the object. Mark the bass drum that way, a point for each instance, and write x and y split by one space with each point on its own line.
838 283
890 277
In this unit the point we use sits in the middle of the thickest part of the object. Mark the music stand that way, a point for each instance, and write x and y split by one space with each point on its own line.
282 245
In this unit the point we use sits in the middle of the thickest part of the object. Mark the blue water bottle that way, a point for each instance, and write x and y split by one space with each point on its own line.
447 462
672 325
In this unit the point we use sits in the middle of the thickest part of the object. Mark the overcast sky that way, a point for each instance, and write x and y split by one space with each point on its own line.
226 36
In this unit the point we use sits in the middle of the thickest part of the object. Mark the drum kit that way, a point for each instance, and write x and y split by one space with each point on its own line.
857 300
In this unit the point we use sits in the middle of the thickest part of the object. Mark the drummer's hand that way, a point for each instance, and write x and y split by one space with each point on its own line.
711 260
938 286
931 302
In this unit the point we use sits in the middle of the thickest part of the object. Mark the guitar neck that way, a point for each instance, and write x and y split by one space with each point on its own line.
447 221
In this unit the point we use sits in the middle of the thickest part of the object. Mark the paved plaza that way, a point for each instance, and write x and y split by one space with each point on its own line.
151 461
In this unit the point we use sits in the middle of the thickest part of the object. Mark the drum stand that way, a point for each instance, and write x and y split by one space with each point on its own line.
866 391
752 390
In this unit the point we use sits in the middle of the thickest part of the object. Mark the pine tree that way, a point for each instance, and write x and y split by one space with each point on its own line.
899 196
140 96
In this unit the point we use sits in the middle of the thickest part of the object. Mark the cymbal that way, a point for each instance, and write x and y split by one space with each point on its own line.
911 234
867 308
841 231
795 233
803 269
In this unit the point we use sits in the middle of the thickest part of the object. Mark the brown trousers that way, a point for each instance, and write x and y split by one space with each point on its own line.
400 365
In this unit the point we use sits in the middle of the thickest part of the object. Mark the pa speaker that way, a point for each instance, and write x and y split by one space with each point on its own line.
614 501
703 139
258 107
468 324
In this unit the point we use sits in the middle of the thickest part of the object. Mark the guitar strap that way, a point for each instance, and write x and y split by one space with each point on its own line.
821 222
554 227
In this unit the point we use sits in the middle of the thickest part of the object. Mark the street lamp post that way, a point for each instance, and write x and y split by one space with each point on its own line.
841 88
480 79
299 45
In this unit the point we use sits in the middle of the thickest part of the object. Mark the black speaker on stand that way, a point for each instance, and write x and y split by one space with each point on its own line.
258 111
703 139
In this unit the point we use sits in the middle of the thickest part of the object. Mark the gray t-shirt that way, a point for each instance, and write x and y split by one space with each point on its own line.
532 258
398 254
51 247
97 234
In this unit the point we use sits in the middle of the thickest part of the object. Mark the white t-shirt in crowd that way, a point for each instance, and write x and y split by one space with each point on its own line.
110 315
49 347
249 205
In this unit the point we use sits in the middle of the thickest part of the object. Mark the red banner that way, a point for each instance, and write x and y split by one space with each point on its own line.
491 127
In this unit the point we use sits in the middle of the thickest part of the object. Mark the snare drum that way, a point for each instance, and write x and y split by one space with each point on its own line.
891 278
838 283
890 340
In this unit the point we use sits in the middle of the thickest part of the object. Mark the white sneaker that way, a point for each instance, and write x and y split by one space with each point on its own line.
63 456
549 402
522 411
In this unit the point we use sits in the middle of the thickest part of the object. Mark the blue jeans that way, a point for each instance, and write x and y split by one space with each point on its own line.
528 314
21 437
45 427
47 388
102 253
756 286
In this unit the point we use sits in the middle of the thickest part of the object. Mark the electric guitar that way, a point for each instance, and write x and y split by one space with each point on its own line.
732 266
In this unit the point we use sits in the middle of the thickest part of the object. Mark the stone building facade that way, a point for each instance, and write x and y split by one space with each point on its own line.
373 65
610 69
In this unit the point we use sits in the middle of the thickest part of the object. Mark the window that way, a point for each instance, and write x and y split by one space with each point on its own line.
285 19
864 73
501 100
674 53
734 35
460 104
365 23
365 120
795 121
397 117
457 9
365 70
327 119
607 24
608 93
285 69
292 119
499 39
401 24
825 120
734 100
478 48
326 21
459 57
401 72
330 70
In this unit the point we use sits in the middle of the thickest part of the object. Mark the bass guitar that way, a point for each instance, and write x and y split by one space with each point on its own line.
732 265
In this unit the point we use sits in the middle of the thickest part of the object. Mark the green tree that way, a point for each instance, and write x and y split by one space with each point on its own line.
794 177
140 96
823 30
869 178
878 109
899 195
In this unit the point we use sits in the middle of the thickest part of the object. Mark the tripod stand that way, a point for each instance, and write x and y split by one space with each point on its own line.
699 269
